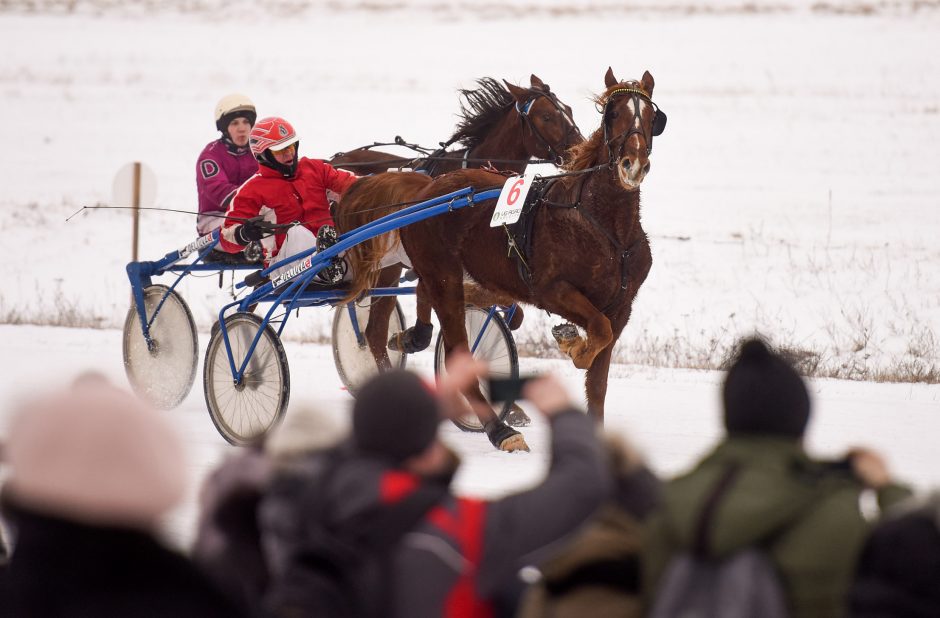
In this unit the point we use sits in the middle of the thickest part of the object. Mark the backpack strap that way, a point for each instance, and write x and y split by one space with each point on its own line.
701 542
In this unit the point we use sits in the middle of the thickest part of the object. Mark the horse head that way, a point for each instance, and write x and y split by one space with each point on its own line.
551 128
630 120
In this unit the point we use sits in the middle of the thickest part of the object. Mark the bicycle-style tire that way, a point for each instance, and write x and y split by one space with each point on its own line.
163 376
244 413
354 364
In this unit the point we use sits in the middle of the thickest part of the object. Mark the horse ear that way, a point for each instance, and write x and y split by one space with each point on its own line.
519 94
648 83
609 79
537 84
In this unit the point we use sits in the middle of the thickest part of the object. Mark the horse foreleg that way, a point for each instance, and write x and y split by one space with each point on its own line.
449 303
595 383
565 300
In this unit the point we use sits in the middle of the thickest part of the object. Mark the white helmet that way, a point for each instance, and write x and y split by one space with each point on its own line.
233 106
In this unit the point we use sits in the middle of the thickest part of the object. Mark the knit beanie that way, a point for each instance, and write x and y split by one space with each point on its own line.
395 416
96 454
764 395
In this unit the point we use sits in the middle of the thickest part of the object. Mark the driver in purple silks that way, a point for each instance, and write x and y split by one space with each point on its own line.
224 165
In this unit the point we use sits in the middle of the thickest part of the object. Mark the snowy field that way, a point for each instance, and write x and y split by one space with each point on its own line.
795 191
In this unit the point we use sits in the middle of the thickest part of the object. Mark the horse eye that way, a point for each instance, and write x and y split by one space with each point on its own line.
546 117
614 114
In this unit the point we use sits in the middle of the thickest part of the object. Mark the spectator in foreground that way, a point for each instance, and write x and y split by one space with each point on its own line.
228 537
899 571
759 489
91 472
597 573
372 527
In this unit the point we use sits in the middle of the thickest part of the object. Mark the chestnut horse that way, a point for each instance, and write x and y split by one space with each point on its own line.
589 254
505 125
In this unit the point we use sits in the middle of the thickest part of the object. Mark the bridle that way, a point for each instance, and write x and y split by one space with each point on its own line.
523 111
636 126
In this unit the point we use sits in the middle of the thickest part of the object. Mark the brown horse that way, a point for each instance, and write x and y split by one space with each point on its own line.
588 254
507 125
503 125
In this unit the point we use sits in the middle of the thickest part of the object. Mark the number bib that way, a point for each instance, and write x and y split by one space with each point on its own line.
511 199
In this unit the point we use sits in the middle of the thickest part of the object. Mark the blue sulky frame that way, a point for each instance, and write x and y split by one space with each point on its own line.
289 289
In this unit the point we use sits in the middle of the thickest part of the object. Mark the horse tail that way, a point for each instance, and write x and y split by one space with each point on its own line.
369 199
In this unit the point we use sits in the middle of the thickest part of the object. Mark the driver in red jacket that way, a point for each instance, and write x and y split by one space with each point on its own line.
286 189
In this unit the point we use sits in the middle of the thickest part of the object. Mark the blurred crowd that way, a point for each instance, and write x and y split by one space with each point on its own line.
323 519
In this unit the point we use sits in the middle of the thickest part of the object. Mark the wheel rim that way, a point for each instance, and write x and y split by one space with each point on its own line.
243 412
165 375
355 364
494 348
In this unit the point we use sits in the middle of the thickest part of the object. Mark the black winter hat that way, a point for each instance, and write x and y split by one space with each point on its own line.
395 416
764 395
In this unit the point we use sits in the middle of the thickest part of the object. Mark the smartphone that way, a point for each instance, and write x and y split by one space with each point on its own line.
507 389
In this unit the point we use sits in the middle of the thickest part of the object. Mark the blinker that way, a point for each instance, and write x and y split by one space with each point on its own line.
659 122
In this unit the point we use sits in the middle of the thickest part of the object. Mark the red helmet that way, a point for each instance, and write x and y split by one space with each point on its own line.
272 133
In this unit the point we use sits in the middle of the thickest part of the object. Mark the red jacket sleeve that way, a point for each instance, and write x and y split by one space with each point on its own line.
337 180
244 205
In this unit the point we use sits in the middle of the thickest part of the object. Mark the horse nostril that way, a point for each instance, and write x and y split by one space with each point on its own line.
646 168
626 163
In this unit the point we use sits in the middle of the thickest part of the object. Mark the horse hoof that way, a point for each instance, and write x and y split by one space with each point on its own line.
565 333
413 339
504 437
514 443
517 417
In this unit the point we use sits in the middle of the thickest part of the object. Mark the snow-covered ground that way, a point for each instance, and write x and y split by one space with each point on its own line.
795 191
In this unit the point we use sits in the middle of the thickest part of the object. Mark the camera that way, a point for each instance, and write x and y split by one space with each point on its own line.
507 389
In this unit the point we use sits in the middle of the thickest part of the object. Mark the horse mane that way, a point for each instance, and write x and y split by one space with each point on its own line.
584 155
480 109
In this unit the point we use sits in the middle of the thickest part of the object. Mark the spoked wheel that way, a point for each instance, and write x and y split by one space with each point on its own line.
354 363
496 347
164 373
244 412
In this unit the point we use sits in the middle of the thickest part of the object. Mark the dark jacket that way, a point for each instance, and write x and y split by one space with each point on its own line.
803 513
61 568
597 572
899 569
457 559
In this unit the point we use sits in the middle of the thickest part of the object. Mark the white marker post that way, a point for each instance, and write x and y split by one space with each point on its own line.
135 186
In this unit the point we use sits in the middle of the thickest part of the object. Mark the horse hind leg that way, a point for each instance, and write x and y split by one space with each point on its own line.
448 300
380 312
418 337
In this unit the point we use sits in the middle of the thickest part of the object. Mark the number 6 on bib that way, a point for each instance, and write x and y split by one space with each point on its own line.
511 199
